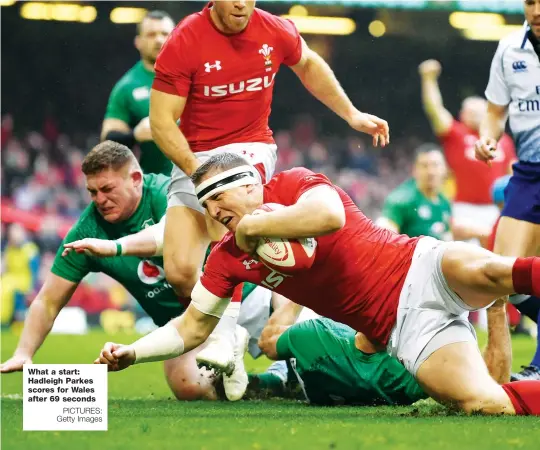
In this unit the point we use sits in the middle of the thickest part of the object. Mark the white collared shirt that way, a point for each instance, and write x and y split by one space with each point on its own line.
515 81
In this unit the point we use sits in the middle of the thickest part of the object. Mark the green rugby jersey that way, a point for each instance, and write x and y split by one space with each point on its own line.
130 102
417 215
144 278
334 371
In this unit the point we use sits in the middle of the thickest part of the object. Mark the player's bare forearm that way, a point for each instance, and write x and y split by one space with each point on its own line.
286 315
39 321
165 110
432 101
319 79
492 127
310 218
498 351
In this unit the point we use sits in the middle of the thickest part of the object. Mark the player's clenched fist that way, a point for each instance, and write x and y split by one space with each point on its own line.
91 246
116 356
484 149
430 68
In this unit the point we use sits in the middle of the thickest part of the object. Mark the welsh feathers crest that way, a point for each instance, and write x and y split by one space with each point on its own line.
266 51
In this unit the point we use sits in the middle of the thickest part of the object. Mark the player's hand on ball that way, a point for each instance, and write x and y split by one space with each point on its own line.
372 125
142 131
91 246
15 364
243 241
430 68
484 149
116 356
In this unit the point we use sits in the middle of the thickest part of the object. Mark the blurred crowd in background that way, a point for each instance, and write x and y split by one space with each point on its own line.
41 176
54 101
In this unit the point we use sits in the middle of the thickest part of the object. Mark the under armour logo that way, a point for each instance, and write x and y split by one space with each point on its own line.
519 66
248 264
208 67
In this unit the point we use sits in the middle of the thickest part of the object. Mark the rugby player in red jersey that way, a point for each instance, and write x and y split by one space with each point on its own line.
216 74
410 296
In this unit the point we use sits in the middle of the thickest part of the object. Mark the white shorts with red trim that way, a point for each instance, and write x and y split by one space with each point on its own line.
260 155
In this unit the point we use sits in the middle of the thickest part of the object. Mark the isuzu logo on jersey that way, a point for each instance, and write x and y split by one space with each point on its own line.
150 273
252 85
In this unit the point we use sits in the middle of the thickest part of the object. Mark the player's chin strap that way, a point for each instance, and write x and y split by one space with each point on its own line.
221 182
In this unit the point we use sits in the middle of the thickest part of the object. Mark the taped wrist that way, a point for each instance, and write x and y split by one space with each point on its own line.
163 343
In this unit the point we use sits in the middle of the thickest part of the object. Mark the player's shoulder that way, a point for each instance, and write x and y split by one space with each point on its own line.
514 40
273 20
406 192
156 183
190 27
87 224
129 78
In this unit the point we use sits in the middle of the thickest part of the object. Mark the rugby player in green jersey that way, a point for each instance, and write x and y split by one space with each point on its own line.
335 365
126 217
126 119
418 206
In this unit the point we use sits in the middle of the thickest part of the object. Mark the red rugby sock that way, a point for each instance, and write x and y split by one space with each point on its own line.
526 276
525 396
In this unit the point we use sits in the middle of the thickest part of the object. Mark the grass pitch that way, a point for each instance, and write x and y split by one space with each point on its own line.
143 414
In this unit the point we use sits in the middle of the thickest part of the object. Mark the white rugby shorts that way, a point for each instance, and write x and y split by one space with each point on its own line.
260 155
430 315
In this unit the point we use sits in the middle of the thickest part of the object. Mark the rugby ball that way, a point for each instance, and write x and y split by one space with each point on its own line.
285 256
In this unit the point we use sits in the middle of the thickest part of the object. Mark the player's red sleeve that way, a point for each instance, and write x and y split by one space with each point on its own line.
217 277
291 42
173 66
289 185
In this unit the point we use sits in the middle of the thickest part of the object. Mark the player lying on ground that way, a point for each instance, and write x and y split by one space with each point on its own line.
336 365
411 296
124 201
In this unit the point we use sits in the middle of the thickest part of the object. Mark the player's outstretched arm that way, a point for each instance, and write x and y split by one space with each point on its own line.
179 336
165 110
144 244
319 79
498 351
439 117
321 204
491 129
51 298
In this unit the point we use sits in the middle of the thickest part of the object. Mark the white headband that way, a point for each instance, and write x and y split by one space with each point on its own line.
223 181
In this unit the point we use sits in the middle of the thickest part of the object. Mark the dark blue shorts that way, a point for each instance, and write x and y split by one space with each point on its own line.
522 195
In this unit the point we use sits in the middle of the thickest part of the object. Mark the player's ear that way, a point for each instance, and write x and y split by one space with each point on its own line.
137 178
137 42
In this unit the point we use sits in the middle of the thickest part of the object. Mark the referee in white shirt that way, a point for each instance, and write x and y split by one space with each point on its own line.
514 90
